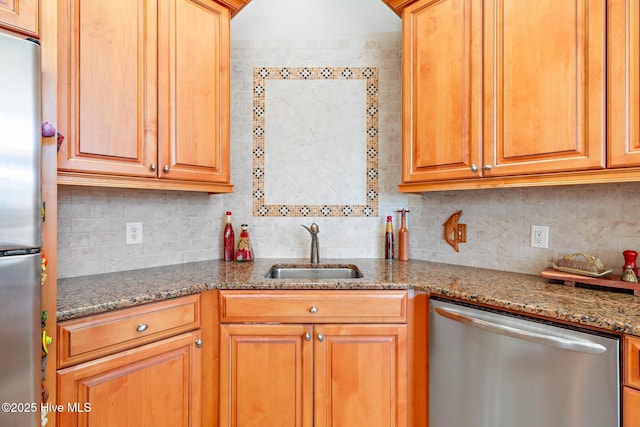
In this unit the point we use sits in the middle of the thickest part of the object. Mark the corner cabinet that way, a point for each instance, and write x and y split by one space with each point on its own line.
21 16
320 358
143 93
514 93
140 366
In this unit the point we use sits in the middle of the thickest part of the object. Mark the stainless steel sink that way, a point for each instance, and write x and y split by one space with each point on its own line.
314 271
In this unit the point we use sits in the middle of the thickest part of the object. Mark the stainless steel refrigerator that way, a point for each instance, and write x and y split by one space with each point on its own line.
20 232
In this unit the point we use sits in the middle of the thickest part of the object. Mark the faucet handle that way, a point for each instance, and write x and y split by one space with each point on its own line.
313 229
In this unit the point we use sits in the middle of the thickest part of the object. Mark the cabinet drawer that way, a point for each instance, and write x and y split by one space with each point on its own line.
313 306
95 336
631 362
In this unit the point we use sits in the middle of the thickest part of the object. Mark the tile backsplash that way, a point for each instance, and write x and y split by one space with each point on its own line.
317 155
596 219
178 227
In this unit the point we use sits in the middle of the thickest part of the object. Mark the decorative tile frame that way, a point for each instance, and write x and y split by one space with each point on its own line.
371 112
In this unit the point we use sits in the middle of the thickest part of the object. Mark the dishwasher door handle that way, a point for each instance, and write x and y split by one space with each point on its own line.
549 340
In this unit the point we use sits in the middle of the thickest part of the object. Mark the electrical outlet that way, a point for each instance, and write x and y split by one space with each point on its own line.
134 233
539 236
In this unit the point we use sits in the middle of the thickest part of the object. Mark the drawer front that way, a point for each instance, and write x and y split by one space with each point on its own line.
96 336
632 361
300 306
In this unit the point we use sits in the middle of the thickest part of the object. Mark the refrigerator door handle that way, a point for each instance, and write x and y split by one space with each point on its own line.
545 339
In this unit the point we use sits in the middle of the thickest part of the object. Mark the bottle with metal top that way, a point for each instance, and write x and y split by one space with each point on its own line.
244 252
388 239
228 238
403 237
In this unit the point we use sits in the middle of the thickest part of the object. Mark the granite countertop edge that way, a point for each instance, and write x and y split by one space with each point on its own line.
527 294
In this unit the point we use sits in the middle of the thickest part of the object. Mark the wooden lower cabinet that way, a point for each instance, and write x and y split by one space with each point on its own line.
305 375
631 407
157 384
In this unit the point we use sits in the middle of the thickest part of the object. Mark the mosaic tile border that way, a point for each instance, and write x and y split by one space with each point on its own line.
371 110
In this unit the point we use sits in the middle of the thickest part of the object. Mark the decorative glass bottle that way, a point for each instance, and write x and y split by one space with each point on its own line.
388 239
244 251
229 239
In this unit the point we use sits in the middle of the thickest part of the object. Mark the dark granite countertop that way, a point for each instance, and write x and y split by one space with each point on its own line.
87 295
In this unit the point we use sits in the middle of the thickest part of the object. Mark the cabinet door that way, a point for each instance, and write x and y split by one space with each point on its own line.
154 385
544 68
20 16
360 377
107 86
194 80
442 90
630 407
623 83
265 375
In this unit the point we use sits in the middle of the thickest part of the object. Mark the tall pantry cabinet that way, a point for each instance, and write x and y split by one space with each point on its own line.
143 93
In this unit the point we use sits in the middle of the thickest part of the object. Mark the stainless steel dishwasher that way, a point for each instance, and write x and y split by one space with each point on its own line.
492 369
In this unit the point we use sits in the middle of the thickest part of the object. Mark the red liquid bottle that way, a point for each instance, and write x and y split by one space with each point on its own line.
229 239
388 239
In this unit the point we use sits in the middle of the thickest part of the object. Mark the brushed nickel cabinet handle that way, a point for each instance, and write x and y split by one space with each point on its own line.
166 168
313 309
320 337
142 327
199 343
153 167
474 167
307 336
487 167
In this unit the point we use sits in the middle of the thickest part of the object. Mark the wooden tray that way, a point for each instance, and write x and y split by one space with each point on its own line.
608 281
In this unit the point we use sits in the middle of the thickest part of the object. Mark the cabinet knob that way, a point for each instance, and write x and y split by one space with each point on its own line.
313 309
487 167
199 343
166 168
153 167
474 167
142 327
307 336
320 337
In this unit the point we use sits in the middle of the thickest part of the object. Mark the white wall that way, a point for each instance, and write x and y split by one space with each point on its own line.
312 19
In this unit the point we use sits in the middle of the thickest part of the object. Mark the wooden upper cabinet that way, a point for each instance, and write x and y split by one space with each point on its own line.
544 71
442 90
107 97
144 93
20 16
193 73
623 84
509 91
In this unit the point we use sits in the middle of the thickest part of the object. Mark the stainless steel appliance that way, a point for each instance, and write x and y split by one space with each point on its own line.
492 369
20 233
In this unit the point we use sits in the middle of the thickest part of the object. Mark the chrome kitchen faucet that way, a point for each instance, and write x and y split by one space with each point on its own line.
315 246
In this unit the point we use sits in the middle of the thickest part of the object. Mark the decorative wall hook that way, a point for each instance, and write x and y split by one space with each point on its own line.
455 233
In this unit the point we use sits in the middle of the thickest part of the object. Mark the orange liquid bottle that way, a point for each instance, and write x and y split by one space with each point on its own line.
403 238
